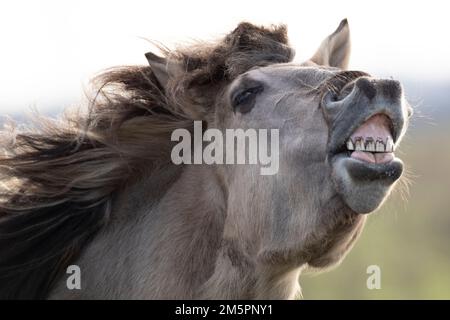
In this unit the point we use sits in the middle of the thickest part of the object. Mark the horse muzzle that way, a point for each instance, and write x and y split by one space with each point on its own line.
367 120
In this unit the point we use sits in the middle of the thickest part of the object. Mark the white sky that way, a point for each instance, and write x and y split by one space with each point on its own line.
49 49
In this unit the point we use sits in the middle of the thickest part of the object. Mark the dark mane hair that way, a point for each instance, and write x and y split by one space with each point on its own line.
58 180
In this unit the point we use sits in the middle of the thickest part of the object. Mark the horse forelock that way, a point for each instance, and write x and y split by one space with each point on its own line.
213 65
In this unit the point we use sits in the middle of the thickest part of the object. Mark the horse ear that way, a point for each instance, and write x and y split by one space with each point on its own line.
164 69
335 49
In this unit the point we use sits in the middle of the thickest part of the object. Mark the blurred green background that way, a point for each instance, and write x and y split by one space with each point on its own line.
409 237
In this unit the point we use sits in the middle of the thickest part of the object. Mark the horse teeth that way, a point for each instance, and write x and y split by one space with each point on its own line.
359 144
350 145
389 145
379 146
370 145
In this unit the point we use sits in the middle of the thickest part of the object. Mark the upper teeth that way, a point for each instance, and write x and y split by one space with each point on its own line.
369 144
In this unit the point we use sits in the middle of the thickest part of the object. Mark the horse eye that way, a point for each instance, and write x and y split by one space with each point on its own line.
243 101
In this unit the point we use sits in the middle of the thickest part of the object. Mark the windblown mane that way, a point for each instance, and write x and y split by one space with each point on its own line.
58 180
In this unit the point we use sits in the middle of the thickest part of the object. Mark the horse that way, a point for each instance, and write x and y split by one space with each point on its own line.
98 188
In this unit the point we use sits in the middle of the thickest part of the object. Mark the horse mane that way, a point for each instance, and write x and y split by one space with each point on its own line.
58 179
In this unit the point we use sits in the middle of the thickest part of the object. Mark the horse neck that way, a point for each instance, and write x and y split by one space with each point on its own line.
175 217
182 214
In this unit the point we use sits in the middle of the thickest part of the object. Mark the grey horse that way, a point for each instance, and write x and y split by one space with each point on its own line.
100 191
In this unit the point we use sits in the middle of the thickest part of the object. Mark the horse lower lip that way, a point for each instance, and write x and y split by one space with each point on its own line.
371 171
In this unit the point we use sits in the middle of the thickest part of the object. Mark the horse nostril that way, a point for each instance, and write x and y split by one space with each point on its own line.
345 91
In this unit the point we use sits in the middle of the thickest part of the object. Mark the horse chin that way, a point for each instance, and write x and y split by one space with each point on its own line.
364 186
